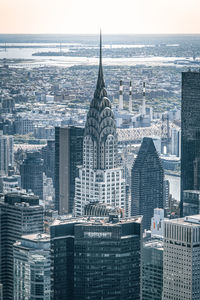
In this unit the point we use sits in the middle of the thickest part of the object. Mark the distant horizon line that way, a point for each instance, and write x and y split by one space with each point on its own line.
96 34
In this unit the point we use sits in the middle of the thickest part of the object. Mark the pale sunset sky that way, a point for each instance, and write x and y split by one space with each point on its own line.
87 16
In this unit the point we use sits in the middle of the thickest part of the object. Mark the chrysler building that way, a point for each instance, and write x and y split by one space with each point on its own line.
100 177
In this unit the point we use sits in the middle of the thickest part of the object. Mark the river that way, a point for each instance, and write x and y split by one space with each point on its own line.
68 61
174 186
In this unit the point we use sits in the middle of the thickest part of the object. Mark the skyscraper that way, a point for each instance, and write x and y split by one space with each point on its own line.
152 270
68 155
96 258
152 258
100 177
121 101
19 214
191 203
175 142
130 104
48 156
147 177
31 260
190 133
181 260
6 153
1 291
31 172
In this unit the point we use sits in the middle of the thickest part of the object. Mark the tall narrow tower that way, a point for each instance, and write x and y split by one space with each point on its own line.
190 133
6 152
130 97
68 155
147 177
100 178
31 171
121 101
144 100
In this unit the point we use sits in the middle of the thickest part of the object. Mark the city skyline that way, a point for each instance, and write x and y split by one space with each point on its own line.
88 167
133 17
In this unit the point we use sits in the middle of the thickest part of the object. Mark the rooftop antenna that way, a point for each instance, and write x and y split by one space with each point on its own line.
100 81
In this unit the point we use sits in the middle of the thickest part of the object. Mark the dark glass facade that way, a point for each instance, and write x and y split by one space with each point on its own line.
147 187
31 172
96 259
68 155
48 156
1 291
190 133
62 261
19 214
191 203
152 270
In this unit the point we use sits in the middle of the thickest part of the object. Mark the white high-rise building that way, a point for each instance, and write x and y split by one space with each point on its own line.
121 100
176 142
6 153
157 223
100 177
130 105
143 108
181 261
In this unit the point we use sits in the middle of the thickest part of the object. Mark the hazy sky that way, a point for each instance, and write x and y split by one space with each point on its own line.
87 16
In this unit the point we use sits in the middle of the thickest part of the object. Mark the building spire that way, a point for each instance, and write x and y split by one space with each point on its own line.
100 87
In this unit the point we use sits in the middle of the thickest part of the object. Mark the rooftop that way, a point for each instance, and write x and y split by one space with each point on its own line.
192 191
186 221
95 220
154 243
37 237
